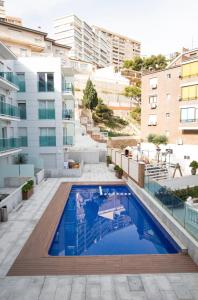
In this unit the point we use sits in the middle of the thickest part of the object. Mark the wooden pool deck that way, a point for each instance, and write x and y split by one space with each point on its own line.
34 259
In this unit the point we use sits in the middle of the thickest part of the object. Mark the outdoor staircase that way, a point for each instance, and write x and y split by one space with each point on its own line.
157 171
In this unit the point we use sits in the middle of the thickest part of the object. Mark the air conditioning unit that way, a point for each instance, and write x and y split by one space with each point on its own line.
179 142
153 105
154 86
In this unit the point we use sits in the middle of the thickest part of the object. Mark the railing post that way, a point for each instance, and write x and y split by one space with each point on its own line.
141 174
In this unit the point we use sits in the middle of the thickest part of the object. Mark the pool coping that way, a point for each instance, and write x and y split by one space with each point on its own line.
34 259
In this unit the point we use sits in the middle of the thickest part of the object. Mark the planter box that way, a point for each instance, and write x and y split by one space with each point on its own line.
28 194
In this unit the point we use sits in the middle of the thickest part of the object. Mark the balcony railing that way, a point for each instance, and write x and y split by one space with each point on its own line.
21 85
189 121
68 114
46 113
10 77
9 144
67 87
47 141
23 141
68 140
9 110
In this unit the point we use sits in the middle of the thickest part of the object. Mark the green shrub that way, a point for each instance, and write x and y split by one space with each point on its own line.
185 193
28 186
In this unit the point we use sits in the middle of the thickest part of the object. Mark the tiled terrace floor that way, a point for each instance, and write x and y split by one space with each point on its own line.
15 232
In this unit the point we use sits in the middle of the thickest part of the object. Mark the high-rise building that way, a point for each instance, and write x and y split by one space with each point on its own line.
94 44
86 43
9 19
122 47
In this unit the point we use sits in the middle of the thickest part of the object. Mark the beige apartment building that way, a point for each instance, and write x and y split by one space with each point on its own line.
25 42
170 101
122 47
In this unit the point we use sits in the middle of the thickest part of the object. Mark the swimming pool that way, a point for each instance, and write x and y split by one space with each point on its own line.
108 220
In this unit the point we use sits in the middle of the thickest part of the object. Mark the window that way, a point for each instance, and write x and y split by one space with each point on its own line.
167 115
152 120
21 81
46 109
153 99
153 82
47 137
189 114
23 52
190 69
46 82
168 75
22 110
22 133
189 92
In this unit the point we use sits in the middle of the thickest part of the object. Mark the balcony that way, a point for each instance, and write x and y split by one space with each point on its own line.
68 114
23 140
9 81
68 140
47 141
9 144
46 114
8 111
68 89
189 124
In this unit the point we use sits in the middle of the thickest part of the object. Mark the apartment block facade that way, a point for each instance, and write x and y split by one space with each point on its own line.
86 43
122 47
45 98
10 142
170 101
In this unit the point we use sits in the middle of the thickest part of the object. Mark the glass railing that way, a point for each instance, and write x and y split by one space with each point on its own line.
9 110
22 112
68 140
10 77
46 113
21 85
8 144
185 214
67 87
23 141
47 141
68 114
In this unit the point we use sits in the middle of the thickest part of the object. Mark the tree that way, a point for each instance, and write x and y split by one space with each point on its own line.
104 115
157 139
133 92
136 114
90 97
135 64
153 62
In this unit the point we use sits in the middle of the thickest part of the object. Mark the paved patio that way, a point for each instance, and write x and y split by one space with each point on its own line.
16 231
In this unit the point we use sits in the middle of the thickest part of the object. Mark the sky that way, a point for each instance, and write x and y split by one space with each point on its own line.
162 26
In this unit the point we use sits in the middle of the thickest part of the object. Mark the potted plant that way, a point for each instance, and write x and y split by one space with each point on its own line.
194 167
27 190
109 160
118 172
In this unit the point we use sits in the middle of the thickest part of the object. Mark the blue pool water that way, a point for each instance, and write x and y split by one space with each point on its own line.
111 221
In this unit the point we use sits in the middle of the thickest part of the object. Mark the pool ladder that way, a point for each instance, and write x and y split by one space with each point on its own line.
100 191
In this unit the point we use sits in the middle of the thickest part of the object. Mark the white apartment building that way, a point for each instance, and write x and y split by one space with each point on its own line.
86 43
46 102
122 47
9 112
46 95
